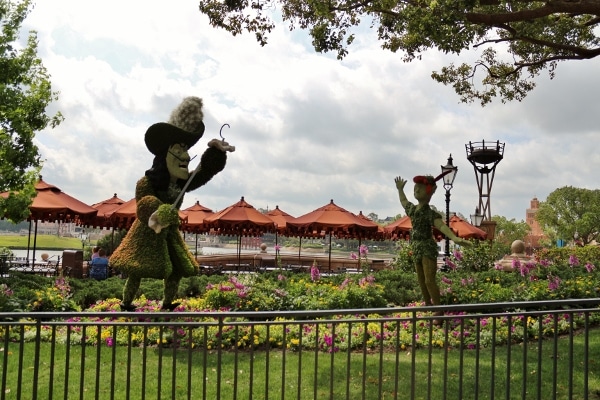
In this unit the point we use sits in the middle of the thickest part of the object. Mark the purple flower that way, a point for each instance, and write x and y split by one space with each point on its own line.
314 272
277 247
363 250
450 264
281 277
353 256
109 341
237 284
589 267
553 282
573 260
458 255
516 263
446 280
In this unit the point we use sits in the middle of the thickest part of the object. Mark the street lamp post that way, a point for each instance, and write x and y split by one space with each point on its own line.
449 171
477 218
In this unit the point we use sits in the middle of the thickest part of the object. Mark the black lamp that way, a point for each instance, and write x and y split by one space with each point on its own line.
449 171
477 218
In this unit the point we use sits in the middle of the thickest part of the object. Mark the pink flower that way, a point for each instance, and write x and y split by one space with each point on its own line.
553 282
277 247
109 341
314 272
281 277
573 260
458 255
353 256
589 267
363 250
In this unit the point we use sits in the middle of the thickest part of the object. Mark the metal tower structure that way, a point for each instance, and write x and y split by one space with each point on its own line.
485 156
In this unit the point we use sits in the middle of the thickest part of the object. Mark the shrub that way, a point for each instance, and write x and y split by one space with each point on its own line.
403 260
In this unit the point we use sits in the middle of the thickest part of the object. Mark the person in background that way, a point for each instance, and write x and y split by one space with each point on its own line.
95 250
99 266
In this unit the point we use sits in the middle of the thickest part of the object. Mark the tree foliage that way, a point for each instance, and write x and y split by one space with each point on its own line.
516 40
25 92
507 231
568 210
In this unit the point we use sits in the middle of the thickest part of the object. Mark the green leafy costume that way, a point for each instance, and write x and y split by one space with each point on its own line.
422 220
161 253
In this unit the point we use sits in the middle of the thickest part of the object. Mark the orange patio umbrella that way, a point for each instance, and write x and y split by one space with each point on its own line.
281 219
380 234
105 209
240 219
123 216
194 223
332 219
400 228
465 230
52 204
196 215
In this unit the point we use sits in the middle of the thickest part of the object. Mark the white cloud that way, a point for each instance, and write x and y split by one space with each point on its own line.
308 128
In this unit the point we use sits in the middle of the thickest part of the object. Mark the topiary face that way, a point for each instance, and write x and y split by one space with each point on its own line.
178 160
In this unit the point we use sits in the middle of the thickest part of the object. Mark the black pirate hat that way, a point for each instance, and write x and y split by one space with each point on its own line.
185 126
160 136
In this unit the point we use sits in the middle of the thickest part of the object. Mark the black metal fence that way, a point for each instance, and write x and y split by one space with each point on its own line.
532 350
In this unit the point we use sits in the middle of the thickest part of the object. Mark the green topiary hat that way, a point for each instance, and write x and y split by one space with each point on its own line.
185 126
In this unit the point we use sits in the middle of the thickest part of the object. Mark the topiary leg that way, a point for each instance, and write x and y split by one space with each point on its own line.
171 289
129 291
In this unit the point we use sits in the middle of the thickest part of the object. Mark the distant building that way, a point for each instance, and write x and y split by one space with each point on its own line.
532 241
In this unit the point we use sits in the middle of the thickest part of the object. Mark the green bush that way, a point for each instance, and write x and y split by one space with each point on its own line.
556 255
400 287
403 260
562 275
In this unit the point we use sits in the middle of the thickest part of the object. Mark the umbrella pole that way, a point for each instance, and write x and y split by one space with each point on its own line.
299 250
359 255
329 251
28 240
239 252
34 244
112 239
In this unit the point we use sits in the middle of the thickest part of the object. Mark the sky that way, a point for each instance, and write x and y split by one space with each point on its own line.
307 128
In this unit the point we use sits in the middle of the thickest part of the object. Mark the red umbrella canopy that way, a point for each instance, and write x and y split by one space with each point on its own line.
281 218
196 215
465 230
334 219
400 228
52 204
123 216
105 209
380 234
240 219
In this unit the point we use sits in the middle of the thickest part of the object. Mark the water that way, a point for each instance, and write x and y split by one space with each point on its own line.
53 254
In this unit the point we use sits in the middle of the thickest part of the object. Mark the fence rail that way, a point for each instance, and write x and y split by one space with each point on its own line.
527 350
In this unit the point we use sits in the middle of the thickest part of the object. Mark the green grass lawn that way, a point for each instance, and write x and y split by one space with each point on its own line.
133 371
48 242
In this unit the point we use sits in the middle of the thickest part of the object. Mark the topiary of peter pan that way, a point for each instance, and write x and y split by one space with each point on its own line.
153 247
